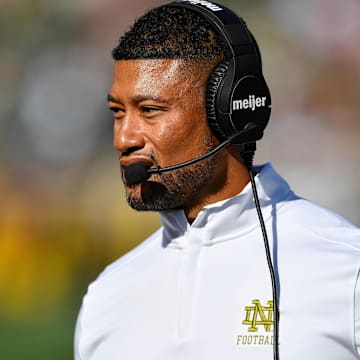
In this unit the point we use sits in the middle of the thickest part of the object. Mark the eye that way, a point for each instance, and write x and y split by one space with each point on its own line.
148 109
115 109
152 110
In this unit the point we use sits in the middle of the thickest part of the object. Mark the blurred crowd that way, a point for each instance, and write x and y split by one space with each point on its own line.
62 212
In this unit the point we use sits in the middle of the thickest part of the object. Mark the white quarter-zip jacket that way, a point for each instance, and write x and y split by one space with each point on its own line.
203 291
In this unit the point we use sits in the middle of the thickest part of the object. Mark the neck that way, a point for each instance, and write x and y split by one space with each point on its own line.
225 185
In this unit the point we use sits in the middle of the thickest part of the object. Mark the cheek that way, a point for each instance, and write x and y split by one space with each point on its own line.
182 139
172 135
182 133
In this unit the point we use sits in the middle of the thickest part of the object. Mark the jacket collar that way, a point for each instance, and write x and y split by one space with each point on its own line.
230 218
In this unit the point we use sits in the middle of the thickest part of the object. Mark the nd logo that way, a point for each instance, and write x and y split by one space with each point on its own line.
258 315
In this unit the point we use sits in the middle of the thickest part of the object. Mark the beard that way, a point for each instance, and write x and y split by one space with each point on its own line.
174 189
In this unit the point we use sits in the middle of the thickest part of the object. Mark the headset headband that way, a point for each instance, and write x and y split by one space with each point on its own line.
231 28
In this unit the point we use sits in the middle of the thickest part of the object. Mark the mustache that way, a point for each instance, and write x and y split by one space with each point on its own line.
142 154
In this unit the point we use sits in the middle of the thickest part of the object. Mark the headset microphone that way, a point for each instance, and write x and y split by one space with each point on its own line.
139 172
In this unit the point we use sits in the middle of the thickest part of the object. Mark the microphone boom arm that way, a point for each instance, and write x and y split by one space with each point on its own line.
230 140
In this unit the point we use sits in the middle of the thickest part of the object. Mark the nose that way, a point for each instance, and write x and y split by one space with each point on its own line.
128 135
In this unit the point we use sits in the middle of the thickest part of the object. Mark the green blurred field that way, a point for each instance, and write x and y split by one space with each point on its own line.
48 338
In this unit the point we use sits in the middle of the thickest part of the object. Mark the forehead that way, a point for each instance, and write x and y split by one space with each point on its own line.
154 75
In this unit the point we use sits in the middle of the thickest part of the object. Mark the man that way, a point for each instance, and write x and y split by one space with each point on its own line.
204 286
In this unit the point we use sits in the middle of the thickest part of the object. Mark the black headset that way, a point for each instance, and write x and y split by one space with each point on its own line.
238 97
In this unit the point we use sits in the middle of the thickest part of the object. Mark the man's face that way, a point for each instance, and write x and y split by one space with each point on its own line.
160 119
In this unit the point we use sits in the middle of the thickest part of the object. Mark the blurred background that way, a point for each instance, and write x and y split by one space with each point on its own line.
63 217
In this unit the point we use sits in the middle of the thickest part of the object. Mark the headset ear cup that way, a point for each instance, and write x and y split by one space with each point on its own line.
213 86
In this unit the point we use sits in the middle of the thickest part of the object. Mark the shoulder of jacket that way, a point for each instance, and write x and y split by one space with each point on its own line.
127 259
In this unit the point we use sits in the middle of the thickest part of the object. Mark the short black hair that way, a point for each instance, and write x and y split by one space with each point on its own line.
170 33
